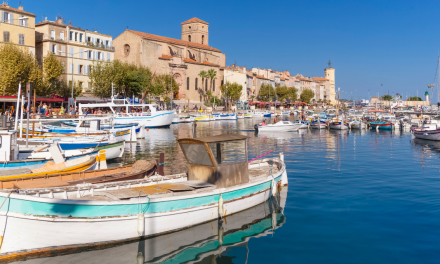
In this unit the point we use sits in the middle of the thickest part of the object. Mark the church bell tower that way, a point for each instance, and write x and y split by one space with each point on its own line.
195 30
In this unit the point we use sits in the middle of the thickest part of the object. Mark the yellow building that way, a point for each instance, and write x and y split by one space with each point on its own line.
17 26
76 48
330 75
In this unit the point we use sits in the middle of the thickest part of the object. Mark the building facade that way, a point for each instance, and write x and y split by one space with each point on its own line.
183 58
76 48
17 27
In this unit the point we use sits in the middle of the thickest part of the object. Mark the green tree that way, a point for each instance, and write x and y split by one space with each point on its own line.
212 74
16 65
267 92
415 98
282 92
307 95
293 93
52 70
387 97
203 75
231 91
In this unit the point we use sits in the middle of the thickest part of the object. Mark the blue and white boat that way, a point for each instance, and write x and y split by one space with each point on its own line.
125 112
42 220
225 117
104 126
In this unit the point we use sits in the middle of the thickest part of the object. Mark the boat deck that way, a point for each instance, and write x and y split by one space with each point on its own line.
152 187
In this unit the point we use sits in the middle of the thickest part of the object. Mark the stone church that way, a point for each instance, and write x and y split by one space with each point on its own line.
183 58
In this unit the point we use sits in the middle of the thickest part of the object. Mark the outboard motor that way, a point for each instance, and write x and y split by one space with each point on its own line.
256 127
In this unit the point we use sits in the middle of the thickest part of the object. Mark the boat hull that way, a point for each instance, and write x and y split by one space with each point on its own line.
427 134
338 125
385 126
62 224
162 119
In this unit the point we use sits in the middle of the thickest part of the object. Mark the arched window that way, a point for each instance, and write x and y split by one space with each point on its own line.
189 38
203 38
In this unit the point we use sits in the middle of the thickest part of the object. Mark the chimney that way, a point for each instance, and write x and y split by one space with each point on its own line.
20 7
233 65
45 19
60 21
70 23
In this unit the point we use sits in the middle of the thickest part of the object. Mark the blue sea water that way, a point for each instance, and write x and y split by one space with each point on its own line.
353 197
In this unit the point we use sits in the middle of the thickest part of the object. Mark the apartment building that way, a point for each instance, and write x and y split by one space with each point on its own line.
76 48
17 26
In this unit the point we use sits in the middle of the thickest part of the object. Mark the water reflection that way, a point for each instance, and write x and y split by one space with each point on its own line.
206 243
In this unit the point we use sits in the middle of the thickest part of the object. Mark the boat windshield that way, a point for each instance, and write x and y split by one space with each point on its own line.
229 152
196 154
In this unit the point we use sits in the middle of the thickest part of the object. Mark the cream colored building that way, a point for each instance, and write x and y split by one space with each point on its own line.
17 26
76 48
329 73
237 75
183 58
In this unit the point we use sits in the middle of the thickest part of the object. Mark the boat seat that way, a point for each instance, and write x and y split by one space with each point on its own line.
5 173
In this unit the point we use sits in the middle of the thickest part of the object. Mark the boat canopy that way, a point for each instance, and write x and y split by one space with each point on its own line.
220 160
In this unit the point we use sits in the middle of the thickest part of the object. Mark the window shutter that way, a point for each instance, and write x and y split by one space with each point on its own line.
187 83
79 72
63 49
11 18
71 68
3 16
196 84
20 21
111 43
81 53
213 85
206 84
56 49
71 52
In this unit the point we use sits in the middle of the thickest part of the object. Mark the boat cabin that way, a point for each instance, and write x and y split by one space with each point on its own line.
8 145
220 160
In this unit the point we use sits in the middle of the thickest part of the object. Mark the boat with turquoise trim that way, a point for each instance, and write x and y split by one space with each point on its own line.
220 182
198 244
379 125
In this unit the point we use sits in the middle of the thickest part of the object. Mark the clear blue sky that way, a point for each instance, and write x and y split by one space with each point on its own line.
394 43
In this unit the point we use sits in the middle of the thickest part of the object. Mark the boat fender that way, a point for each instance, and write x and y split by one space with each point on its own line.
141 223
274 187
220 206
220 234
377 128
140 258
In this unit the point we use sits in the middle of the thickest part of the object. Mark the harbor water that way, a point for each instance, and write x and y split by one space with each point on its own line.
353 197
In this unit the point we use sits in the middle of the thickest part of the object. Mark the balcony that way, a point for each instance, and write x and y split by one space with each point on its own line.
100 46
41 37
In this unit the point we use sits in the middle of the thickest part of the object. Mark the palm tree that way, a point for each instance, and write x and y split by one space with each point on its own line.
204 75
212 75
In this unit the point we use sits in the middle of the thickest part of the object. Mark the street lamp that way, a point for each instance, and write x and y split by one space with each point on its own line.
72 72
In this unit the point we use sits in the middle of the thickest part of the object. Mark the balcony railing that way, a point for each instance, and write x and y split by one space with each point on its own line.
48 37
100 45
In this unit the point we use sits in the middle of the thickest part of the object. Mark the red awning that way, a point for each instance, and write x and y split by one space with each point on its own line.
52 100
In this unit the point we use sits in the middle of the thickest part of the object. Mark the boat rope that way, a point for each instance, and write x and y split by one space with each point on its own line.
9 194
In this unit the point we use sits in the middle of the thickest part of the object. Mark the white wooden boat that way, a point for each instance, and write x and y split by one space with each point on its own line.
240 116
186 246
357 124
279 126
122 113
42 220
112 151
225 116
318 124
428 131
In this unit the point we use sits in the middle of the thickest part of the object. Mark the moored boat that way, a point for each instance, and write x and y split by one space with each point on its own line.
279 126
96 214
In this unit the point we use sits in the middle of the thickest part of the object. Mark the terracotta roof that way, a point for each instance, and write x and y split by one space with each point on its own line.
174 41
16 10
317 79
194 19
166 57
208 63
51 23
262 77
204 62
